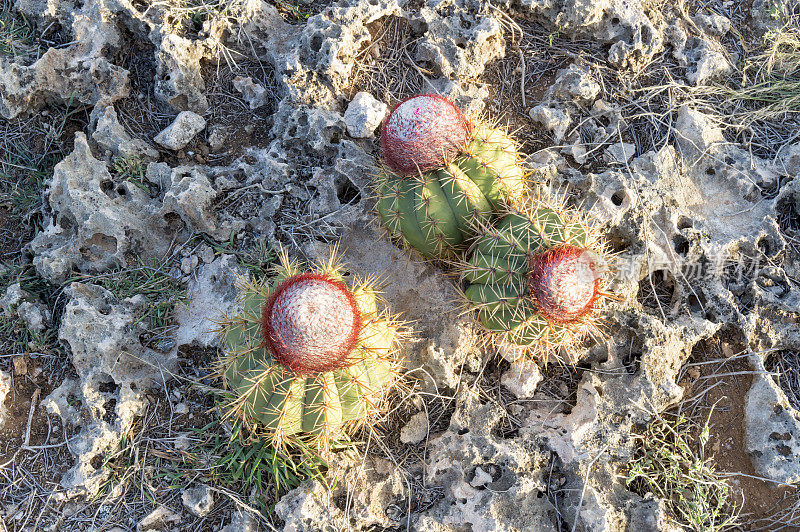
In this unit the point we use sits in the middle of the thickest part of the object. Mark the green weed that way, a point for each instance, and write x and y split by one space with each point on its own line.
672 464
132 170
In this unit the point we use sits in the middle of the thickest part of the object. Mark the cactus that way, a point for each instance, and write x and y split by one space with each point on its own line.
443 175
536 279
308 358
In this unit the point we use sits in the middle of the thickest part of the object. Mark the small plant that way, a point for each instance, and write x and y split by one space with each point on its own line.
443 175
132 169
16 33
673 466
308 358
536 280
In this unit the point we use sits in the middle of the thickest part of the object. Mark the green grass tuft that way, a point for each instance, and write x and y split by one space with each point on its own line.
672 464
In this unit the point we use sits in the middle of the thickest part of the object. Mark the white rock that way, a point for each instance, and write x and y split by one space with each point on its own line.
416 429
181 131
5 388
198 499
552 119
620 152
254 93
241 522
522 378
481 478
363 115
212 293
159 519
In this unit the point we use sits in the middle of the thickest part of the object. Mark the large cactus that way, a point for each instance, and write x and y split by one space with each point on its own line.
308 357
443 176
536 280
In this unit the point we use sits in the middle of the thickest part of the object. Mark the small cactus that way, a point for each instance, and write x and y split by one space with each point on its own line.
536 279
308 358
443 175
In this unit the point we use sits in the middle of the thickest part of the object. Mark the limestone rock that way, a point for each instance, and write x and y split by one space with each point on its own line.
160 519
181 131
212 293
772 429
254 93
462 37
5 389
363 115
110 136
94 224
416 429
522 378
199 500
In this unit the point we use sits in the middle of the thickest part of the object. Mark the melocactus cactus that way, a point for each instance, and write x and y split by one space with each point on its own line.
536 279
308 357
443 175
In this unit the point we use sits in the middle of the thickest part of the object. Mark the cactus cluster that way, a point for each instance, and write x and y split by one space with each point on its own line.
308 357
442 175
454 190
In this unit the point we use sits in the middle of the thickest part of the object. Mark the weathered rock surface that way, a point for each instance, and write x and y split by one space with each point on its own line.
95 222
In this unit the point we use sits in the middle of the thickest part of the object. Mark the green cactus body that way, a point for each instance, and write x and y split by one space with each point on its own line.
436 212
498 273
309 407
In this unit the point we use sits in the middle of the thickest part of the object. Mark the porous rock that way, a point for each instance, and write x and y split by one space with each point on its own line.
462 37
76 73
212 294
114 370
94 223
110 136
364 483
772 429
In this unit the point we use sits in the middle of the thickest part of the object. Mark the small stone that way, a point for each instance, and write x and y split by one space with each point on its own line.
254 93
188 264
217 138
575 83
205 253
363 115
554 120
20 366
522 378
5 388
181 131
199 500
32 316
183 442
416 429
181 408
241 522
621 153
157 520
481 478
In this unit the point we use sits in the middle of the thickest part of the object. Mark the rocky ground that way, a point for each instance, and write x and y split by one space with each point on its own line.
155 151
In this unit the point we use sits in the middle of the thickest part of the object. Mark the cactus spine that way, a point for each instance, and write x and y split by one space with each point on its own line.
536 280
443 176
308 358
